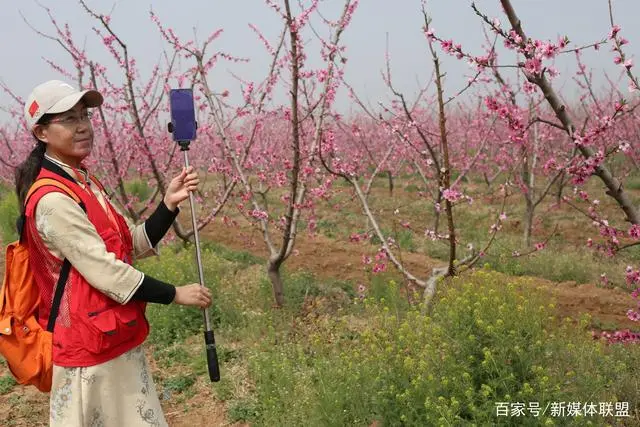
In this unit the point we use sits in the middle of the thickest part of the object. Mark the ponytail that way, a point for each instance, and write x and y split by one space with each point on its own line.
27 172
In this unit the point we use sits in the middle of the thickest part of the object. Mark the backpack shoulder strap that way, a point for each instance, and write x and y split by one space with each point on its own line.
43 182
37 185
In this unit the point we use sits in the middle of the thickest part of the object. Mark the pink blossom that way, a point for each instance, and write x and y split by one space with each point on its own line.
355 238
632 277
622 337
491 103
312 226
634 232
529 87
533 66
614 31
379 267
551 164
548 50
258 214
451 195
553 72
447 46
563 42
432 235
246 93
430 34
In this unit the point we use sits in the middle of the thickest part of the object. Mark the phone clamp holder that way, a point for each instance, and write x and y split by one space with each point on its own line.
184 144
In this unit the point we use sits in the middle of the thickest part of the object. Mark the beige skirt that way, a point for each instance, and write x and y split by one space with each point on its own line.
117 393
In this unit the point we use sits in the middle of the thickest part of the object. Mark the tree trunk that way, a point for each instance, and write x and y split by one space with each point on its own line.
561 184
528 178
528 221
446 175
273 272
436 210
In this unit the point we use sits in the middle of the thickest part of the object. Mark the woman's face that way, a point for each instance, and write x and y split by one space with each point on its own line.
68 135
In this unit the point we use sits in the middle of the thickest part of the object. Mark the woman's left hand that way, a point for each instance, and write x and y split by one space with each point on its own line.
180 186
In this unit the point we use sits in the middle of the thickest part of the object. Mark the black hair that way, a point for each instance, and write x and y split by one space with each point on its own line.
27 171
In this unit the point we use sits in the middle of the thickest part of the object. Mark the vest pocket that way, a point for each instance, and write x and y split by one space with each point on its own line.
111 327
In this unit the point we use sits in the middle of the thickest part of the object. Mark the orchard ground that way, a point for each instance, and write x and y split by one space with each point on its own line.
280 367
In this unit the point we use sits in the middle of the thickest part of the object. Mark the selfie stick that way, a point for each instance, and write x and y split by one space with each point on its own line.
209 339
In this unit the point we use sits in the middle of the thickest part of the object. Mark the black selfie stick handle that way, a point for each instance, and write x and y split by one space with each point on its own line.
212 356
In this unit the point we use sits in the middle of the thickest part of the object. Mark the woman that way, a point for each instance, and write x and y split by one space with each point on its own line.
84 251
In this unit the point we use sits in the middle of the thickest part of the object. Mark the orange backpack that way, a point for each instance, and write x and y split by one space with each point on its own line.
24 344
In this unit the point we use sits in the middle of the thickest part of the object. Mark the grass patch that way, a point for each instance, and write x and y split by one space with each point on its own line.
555 263
300 286
242 258
6 384
327 227
9 213
173 323
403 238
179 384
486 342
138 188
243 411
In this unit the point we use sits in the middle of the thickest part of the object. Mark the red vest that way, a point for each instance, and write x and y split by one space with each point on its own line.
91 328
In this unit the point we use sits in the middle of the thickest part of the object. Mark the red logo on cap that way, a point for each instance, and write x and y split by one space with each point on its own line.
33 109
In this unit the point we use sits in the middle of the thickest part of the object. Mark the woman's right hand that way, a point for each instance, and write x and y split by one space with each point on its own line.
193 295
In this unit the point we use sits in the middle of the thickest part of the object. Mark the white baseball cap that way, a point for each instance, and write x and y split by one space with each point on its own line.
56 96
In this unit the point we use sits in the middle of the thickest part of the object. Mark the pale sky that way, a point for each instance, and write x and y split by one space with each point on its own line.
584 21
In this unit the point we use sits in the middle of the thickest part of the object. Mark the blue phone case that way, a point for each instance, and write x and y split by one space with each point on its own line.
183 116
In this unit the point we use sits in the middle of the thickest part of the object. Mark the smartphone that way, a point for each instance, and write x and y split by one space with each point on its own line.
183 115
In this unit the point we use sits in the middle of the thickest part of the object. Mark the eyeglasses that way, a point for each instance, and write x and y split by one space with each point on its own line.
73 120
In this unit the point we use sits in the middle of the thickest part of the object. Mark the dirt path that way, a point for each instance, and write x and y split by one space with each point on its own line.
329 258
